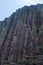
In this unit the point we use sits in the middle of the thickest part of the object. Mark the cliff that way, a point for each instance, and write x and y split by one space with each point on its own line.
21 37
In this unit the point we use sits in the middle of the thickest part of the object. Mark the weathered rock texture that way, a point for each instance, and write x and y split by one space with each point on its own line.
21 37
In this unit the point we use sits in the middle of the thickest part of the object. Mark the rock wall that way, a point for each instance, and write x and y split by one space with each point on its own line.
21 37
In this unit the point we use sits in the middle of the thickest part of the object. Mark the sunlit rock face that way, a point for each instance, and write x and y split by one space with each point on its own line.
21 37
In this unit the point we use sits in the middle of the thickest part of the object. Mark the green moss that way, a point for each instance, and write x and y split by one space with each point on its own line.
19 62
28 59
41 47
31 57
33 62
26 62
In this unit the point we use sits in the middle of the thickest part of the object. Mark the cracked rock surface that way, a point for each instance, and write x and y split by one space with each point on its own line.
21 37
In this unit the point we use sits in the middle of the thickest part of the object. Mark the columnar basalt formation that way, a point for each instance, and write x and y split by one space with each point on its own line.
21 37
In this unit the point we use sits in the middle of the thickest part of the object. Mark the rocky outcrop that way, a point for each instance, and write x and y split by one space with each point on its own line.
21 37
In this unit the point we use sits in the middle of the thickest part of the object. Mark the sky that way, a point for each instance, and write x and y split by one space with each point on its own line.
7 7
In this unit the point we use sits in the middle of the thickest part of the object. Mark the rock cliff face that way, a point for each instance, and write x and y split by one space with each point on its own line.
21 37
